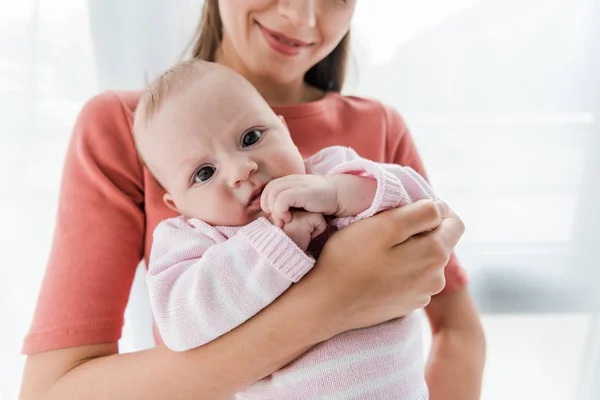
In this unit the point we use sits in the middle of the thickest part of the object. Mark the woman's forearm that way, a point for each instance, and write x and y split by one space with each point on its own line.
455 366
264 344
320 306
457 358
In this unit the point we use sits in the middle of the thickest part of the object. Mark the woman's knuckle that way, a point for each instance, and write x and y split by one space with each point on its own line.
431 211
424 302
438 283
435 263
461 226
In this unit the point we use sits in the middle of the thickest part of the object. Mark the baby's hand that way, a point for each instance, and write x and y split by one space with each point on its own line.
304 226
313 193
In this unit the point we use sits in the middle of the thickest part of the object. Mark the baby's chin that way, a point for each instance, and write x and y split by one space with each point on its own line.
256 215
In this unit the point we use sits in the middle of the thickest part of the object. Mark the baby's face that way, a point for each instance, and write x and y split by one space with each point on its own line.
214 146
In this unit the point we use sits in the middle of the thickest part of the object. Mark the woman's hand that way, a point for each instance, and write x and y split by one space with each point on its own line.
386 266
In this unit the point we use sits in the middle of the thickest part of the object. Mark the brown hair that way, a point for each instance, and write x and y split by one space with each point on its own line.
327 75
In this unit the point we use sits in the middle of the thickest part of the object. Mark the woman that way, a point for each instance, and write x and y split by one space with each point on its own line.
294 52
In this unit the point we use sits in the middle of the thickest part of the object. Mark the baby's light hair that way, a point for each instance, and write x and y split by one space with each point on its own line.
168 83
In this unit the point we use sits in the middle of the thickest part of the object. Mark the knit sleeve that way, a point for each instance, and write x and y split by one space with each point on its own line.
396 185
402 151
203 285
99 233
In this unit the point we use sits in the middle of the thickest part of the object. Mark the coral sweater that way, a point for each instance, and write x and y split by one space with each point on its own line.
109 206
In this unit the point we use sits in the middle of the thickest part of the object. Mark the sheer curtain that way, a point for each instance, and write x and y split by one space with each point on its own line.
501 97
46 72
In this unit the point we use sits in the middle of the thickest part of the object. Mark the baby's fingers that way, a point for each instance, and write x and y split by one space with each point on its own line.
270 193
319 226
287 199
282 220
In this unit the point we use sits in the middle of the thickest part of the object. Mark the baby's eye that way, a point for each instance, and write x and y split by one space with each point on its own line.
251 138
204 174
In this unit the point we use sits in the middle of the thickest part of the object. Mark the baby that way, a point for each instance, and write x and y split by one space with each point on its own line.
250 208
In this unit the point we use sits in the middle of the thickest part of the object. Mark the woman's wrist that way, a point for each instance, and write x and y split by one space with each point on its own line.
314 303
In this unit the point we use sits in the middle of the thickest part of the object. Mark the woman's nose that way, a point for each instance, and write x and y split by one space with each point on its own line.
301 13
241 170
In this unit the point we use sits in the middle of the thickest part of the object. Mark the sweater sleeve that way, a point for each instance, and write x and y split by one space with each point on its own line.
396 185
99 233
203 285
401 150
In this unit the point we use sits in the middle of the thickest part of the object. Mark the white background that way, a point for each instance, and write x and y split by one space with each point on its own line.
502 97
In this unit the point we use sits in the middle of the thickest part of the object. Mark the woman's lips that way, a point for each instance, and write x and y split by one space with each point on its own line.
282 43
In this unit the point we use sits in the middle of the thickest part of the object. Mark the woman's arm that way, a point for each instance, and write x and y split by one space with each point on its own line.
99 241
458 349
318 307
222 367
457 358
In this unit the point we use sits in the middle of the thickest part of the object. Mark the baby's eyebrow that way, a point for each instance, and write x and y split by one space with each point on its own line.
189 165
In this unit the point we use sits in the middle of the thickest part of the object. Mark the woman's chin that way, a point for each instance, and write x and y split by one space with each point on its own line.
283 75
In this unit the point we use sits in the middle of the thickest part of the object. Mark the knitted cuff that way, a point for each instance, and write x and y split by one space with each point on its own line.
390 191
279 250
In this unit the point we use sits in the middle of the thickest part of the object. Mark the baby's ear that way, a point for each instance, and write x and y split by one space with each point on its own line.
282 120
168 200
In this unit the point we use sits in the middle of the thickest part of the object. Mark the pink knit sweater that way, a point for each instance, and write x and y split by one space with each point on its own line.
206 280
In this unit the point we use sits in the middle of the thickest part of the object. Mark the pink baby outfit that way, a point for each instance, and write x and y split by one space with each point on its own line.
206 280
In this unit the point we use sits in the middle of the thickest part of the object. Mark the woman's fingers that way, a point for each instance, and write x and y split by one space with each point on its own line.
400 224
409 246
450 230
434 249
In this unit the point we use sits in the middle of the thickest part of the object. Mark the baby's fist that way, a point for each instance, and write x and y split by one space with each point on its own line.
304 226
311 193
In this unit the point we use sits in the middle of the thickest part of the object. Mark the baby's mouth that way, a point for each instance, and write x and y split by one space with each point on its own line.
255 198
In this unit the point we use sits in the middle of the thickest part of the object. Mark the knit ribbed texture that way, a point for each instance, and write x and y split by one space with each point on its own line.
88 277
396 185
279 250
204 281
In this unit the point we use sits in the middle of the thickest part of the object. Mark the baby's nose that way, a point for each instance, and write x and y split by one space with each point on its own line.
241 170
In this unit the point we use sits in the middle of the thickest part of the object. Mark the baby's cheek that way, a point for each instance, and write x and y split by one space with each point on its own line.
198 210
219 211
203 208
289 163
